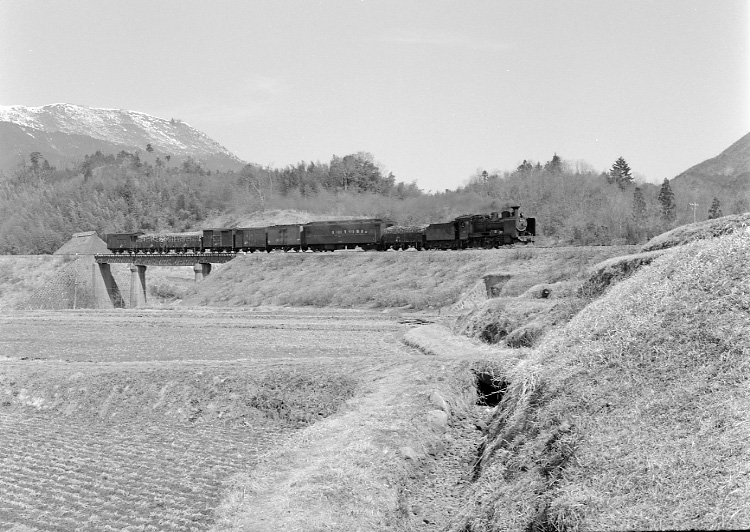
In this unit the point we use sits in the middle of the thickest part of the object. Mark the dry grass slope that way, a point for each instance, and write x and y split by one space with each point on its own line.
22 276
633 416
420 280
614 270
698 231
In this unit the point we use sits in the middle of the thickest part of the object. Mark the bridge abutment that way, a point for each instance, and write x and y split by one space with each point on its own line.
137 285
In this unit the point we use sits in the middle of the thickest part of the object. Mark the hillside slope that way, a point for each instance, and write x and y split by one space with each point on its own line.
732 162
727 174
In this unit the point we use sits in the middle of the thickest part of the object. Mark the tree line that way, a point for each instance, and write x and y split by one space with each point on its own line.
43 206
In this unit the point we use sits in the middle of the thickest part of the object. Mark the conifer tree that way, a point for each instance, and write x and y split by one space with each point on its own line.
668 206
525 167
555 165
715 210
620 173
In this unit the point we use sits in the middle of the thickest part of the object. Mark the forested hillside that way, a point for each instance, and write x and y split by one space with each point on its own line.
42 206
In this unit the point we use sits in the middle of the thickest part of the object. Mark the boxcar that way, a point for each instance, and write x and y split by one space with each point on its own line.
344 234
122 242
250 239
285 237
218 240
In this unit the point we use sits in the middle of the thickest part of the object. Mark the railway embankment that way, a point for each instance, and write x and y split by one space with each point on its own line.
453 281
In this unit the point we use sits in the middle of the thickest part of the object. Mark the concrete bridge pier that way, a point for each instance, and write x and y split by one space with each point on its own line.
137 285
106 292
201 269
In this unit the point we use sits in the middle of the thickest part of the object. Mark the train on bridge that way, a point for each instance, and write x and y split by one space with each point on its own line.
480 231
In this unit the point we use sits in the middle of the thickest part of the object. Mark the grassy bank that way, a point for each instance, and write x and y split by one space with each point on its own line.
634 415
21 275
706 229
175 391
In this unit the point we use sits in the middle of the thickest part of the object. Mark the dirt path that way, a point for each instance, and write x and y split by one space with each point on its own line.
380 464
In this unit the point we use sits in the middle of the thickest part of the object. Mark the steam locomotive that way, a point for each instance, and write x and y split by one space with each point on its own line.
467 231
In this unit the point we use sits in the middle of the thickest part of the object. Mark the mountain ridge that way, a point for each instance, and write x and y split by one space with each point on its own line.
64 132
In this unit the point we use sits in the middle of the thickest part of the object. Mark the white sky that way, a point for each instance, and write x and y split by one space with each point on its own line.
434 89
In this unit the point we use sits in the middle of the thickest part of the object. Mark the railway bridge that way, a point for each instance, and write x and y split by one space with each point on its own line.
106 292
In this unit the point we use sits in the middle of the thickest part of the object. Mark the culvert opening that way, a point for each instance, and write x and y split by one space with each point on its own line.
494 284
493 333
490 388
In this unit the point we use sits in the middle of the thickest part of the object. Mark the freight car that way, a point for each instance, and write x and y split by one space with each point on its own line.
468 231
250 239
139 242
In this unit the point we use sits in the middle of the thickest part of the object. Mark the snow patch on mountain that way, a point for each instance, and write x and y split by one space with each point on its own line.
117 126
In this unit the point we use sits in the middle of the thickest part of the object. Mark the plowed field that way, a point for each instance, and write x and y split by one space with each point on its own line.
71 474
133 420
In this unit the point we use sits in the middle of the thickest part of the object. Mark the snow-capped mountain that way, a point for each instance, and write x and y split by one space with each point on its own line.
64 133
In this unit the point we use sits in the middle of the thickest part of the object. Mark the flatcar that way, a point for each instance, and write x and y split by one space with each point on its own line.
139 242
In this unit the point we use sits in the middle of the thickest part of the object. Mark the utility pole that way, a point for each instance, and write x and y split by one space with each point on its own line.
694 206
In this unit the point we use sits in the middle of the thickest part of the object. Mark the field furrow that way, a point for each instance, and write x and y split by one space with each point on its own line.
132 480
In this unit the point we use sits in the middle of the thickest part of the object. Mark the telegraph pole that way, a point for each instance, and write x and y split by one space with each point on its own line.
694 206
